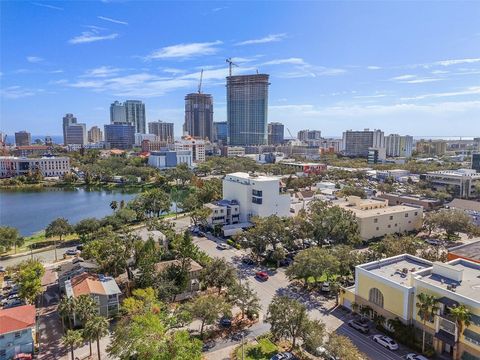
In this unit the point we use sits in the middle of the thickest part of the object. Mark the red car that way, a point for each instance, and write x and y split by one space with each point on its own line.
261 275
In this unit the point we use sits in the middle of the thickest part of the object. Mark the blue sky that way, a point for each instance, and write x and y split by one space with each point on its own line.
404 67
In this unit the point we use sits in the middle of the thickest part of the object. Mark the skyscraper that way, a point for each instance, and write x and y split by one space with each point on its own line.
68 120
358 143
247 109
95 134
76 134
220 132
275 133
130 112
163 130
397 145
199 116
23 138
120 136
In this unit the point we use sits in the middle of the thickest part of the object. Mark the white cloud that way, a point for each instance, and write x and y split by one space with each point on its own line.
34 59
185 51
293 60
473 90
266 39
47 6
102 71
413 79
174 71
91 36
422 80
373 67
112 20
403 77
457 61
17 92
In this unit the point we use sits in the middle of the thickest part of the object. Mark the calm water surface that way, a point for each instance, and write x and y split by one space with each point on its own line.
31 212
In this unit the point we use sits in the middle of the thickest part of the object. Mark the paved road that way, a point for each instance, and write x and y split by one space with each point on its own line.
46 257
318 306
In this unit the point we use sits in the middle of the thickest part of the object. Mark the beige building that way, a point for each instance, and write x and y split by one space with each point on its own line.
197 147
233 151
375 218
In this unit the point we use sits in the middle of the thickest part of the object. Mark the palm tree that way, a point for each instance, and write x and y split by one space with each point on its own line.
66 308
85 308
72 339
97 327
462 318
427 307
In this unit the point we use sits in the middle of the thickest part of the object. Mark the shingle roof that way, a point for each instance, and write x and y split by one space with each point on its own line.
17 318
85 284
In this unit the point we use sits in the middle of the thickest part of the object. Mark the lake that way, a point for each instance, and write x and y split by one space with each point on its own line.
32 211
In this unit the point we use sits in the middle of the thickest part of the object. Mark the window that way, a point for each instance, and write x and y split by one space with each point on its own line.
257 192
375 296
406 215
416 213
375 220
3 352
391 217
395 225
378 228
389 226
256 200
17 335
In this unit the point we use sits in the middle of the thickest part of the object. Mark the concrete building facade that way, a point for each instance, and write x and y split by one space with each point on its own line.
95 135
163 131
167 159
196 147
23 138
76 134
11 166
358 143
461 181
399 146
199 116
68 120
275 133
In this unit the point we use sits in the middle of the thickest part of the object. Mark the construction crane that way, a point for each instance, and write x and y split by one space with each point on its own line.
200 83
293 137
230 64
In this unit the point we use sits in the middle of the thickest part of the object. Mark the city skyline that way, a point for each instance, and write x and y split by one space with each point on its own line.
328 70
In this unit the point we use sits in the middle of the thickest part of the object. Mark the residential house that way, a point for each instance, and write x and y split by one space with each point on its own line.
17 331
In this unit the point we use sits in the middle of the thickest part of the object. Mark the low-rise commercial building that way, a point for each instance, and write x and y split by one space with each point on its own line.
461 181
470 207
232 151
167 159
394 174
470 251
196 147
375 218
11 166
257 195
401 199
301 168
17 331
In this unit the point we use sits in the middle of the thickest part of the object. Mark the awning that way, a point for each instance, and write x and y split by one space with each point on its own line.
445 337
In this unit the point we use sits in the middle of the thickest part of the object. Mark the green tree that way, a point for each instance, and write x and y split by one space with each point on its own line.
85 308
180 174
426 309
86 227
288 318
155 202
352 191
245 298
393 245
97 327
313 262
453 221
314 333
29 278
200 216
462 317
114 205
218 273
9 237
342 347
58 227
72 339
66 309
208 309
278 255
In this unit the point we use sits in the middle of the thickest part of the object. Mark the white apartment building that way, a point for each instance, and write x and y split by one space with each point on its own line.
224 212
167 159
257 195
462 181
197 147
375 218
11 166
397 145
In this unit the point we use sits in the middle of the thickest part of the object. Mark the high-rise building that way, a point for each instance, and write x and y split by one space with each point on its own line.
431 147
130 112
135 110
95 134
68 120
275 133
23 138
120 136
163 130
306 135
199 116
76 134
358 143
247 109
397 145
220 132
476 162
118 114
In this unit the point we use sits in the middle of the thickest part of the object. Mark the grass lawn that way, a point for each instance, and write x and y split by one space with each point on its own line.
322 278
264 350
38 240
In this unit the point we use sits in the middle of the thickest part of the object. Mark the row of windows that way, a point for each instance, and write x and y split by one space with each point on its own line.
256 200
375 220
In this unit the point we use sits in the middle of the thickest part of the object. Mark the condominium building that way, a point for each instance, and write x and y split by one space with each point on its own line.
120 136
199 116
149 146
11 166
224 212
95 135
376 219
68 120
220 132
399 146
23 138
431 147
330 146
358 143
247 109
275 133
130 112
197 148
166 159
476 162
390 287
257 195
461 181
76 134
310 137
163 131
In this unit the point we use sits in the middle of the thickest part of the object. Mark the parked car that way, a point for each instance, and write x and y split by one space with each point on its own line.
208 345
261 275
283 356
248 260
71 252
434 242
222 246
359 325
324 353
286 262
80 247
225 322
385 341
239 335
325 287
413 356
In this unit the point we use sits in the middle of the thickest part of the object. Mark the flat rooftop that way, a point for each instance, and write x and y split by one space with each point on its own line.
470 251
253 177
361 213
398 268
469 286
